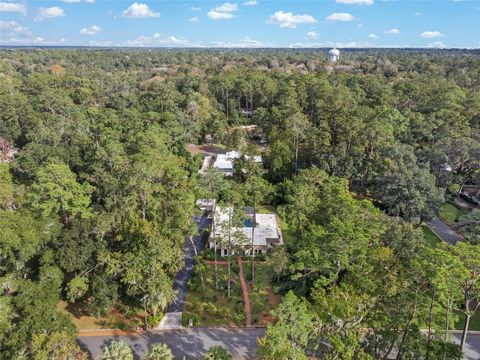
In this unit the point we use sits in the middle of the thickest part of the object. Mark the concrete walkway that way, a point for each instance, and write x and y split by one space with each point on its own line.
248 313
444 231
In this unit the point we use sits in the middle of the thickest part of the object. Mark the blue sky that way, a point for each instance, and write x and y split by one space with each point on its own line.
245 23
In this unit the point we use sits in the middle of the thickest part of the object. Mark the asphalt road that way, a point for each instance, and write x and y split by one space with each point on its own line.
180 284
472 346
186 344
445 232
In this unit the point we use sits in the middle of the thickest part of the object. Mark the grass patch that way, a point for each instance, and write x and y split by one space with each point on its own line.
83 320
460 321
216 309
431 238
449 212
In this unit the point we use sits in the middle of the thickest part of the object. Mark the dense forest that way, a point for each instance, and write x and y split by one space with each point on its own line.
97 200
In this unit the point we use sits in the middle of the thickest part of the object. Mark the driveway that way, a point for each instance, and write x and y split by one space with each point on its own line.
445 232
186 344
180 284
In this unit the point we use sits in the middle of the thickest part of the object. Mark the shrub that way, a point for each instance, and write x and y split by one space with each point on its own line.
117 350
218 353
186 316
159 352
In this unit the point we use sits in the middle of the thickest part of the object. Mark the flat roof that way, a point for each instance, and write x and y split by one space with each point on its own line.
266 228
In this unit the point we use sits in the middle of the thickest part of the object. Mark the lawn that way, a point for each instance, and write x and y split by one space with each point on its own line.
449 213
460 321
216 309
430 236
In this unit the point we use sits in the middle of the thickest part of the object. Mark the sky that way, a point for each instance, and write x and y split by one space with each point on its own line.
245 23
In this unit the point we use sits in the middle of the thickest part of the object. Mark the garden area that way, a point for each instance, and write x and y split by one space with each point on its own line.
120 317
214 308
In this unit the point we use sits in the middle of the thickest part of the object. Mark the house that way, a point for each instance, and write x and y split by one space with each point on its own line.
207 205
266 235
471 193
224 162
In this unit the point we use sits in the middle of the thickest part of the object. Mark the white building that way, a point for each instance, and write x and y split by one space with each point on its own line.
333 55
266 235
224 162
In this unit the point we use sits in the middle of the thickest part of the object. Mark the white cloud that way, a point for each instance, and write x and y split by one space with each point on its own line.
351 44
360 25
223 12
156 40
339 17
71 1
418 13
139 11
13 7
215 15
195 8
194 19
92 30
227 7
250 3
12 29
47 13
90 1
373 36
289 20
311 35
393 32
431 34
436 45
246 42
35 41
359 2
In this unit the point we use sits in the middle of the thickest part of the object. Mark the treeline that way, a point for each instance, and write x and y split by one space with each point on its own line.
96 203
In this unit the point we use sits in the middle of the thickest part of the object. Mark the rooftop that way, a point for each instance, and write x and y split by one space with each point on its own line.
266 228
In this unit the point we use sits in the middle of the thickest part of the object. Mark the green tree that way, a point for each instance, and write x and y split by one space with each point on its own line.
469 225
117 350
159 352
218 353
292 333
470 283
56 191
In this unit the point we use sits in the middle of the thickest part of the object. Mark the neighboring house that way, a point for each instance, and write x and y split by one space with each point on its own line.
206 204
471 193
267 232
224 162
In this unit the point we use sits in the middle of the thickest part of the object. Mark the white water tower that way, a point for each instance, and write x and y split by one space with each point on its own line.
333 55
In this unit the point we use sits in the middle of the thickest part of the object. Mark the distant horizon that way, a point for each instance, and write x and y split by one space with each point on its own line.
450 24
326 48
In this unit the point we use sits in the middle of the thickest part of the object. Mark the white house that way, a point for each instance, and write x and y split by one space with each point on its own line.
266 235
224 162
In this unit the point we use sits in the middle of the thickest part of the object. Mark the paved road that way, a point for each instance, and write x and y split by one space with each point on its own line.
190 343
180 284
445 232
472 346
